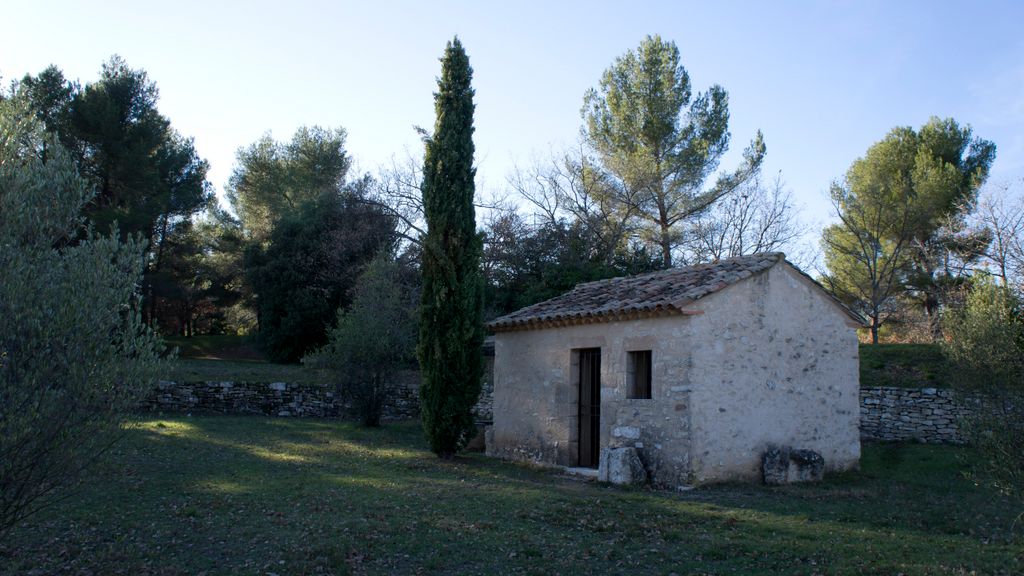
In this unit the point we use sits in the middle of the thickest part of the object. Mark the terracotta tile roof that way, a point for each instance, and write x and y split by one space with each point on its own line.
657 293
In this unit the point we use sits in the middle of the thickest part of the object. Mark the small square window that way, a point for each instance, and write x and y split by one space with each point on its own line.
638 374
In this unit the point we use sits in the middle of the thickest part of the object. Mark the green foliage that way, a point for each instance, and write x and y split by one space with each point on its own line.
149 179
996 431
74 354
987 337
950 167
901 211
222 267
272 179
201 277
373 338
49 96
987 346
524 265
451 309
661 141
865 265
306 273
146 175
274 186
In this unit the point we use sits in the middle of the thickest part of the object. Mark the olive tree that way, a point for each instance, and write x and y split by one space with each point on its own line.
986 343
75 355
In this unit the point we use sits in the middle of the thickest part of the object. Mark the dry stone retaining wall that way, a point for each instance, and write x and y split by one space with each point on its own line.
302 400
899 414
277 398
886 413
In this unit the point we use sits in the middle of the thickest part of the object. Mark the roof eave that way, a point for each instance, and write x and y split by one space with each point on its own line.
563 322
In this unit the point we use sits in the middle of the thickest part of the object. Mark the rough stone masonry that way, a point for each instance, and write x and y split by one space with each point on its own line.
298 400
919 414
886 413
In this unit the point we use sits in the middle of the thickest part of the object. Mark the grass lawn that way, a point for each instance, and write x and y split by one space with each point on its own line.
904 365
248 495
235 358
199 370
215 347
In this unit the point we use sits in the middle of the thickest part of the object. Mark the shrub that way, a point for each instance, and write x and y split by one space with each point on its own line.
74 353
987 337
374 338
987 346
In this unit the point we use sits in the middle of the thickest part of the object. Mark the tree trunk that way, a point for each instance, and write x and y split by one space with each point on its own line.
931 310
147 302
155 265
666 247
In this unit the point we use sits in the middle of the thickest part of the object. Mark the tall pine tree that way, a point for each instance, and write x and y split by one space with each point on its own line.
451 309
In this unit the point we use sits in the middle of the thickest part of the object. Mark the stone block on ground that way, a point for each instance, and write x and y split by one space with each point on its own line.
775 465
489 440
621 466
806 466
783 465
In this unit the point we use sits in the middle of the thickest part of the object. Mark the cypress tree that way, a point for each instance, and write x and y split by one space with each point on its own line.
451 309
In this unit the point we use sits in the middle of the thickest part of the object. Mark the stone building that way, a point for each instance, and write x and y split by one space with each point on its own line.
701 369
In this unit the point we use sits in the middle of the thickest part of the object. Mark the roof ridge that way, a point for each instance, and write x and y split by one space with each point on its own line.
658 292
778 256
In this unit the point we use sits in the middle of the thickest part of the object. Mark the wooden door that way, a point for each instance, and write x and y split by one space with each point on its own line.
590 407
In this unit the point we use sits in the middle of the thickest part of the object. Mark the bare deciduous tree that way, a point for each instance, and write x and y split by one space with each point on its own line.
755 218
1005 221
398 190
573 187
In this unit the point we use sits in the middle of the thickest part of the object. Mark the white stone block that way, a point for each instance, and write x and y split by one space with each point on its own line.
621 466
628 432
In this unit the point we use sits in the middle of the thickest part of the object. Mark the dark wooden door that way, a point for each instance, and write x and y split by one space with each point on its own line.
590 407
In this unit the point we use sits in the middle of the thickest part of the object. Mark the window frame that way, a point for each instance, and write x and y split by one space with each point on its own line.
642 362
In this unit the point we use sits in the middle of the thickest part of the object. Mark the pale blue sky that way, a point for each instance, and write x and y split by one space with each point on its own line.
822 80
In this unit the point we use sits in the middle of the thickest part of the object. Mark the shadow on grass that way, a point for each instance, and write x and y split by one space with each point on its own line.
907 488
330 497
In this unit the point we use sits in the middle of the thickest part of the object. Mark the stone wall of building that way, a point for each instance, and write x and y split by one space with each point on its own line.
770 360
886 413
484 409
901 414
